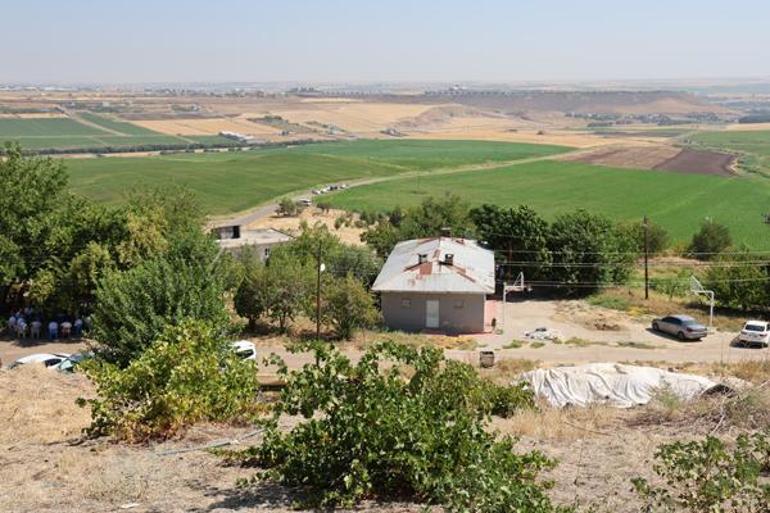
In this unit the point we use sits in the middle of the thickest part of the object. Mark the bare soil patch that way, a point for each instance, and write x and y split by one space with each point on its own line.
312 216
633 157
700 162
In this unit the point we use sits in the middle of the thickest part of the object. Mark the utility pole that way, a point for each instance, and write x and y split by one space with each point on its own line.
318 293
646 258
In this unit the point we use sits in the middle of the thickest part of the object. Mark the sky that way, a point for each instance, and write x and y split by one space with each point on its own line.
338 41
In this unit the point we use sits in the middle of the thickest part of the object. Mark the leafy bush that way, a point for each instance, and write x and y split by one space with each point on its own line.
658 238
188 375
710 240
706 476
133 307
348 306
373 432
739 281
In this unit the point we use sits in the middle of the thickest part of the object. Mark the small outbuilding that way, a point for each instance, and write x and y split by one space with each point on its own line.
438 284
235 238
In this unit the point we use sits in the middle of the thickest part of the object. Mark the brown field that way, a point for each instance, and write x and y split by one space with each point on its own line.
636 157
660 157
701 162
34 115
210 126
356 116
747 127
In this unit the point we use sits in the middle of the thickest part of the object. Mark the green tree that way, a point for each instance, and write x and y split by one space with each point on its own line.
740 281
430 219
519 236
373 429
347 306
287 207
188 375
658 238
133 307
588 252
710 240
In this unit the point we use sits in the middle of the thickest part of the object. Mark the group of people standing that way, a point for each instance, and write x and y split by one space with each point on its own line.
28 323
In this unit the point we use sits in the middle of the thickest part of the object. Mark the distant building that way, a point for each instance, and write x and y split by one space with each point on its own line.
235 238
437 284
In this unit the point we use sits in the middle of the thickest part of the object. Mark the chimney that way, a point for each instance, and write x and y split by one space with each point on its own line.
422 258
449 259
446 232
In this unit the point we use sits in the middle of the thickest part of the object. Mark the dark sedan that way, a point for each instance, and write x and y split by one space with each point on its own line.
682 327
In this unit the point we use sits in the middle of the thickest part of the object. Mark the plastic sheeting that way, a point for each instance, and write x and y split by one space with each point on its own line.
622 386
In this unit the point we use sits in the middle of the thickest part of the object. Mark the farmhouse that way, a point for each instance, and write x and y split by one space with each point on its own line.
437 284
234 238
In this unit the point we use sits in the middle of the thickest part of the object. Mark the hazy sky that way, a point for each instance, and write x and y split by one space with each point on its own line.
383 40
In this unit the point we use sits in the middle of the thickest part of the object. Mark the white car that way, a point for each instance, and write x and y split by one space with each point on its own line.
245 349
755 333
50 360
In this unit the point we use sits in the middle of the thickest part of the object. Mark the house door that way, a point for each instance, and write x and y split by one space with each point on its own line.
431 314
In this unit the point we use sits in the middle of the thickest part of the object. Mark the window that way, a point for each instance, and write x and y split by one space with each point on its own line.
459 304
406 303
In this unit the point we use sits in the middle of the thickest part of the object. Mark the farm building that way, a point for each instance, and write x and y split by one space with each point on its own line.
234 238
437 284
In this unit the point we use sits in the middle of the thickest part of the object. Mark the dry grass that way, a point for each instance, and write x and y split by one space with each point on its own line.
507 369
365 339
548 423
313 216
208 126
38 405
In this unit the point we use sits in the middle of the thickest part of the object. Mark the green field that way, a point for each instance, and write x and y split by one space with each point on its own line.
233 181
753 145
70 134
677 201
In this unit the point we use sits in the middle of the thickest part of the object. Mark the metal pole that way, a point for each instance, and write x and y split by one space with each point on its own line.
505 292
646 259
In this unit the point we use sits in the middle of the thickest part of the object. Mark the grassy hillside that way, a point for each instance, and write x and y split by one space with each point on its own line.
754 145
229 182
677 201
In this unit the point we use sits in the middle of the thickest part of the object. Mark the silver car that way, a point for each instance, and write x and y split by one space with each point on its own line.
682 327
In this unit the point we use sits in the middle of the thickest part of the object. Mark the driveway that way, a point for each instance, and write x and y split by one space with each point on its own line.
601 335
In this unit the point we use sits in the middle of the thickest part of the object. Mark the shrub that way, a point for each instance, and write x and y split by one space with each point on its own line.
371 432
287 207
133 307
348 306
708 476
188 375
710 240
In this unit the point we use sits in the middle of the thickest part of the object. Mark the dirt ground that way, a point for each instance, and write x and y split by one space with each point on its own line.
46 466
312 216
702 162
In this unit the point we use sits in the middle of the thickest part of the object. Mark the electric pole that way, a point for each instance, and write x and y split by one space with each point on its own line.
646 258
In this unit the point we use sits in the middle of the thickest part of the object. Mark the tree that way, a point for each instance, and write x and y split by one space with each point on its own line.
740 281
588 252
188 375
430 219
658 238
710 240
287 207
133 307
519 236
348 306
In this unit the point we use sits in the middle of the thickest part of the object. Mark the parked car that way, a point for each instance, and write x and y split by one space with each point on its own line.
245 350
73 360
755 333
682 327
304 202
47 359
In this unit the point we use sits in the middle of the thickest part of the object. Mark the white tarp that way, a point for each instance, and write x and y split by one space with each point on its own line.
618 385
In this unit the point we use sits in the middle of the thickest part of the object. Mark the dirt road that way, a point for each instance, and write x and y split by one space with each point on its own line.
602 335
